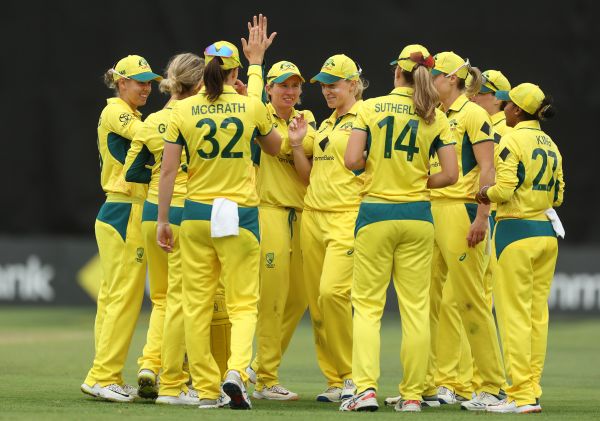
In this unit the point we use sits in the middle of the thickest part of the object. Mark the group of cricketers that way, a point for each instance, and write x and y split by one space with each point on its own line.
245 213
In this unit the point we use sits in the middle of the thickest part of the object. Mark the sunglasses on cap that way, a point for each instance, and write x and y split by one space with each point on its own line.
224 51
465 64
114 72
485 80
357 73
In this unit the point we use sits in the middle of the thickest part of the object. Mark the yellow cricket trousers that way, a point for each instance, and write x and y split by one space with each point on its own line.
526 252
123 259
392 239
327 244
282 297
204 259
463 303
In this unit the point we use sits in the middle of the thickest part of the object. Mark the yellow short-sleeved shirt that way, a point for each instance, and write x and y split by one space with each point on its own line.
469 124
117 126
333 187
217 138
529 175
147 149
399 146
278 183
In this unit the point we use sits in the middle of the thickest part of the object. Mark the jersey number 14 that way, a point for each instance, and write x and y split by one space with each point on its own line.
412 126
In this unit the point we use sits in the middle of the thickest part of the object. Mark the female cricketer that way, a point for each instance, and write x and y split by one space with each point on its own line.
330 208
459 258
529 183
219 233
118 230
165 349
394 229
282 296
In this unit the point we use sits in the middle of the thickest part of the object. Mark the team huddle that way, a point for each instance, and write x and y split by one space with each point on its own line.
245 213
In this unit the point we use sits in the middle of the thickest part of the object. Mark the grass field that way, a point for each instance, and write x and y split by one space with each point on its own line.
45 354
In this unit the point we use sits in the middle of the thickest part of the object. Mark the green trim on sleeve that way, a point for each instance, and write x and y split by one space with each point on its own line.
118 146
137 172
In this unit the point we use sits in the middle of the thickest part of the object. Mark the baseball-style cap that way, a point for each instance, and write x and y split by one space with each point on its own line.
493 81
228 53
336 68
526 96
414 54
134 67
282 71
450 63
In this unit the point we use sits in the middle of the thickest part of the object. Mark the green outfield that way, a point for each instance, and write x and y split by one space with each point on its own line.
45 354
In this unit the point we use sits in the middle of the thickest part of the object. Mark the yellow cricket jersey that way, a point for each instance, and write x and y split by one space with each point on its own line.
333 187
147 149
117 126
529 175
217 137
399 146
278 183
499 125
469 124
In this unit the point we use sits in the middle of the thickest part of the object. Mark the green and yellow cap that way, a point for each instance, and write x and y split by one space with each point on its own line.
282 71
492 81
134 67
450 63
227 51
414 54
336 68
526 96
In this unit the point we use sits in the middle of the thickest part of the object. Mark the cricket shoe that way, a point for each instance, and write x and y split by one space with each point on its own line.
234 387
147 384
223 400
348 390
189 398
481 401
430 402
275 393
332 394
365 401
251 375
448 397
392 400
112 392
408 406
510 407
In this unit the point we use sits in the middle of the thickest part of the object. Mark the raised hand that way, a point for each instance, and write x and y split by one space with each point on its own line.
254 48
297 131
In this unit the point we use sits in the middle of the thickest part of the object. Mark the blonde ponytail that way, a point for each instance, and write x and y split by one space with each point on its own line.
475 82
361 85
425 96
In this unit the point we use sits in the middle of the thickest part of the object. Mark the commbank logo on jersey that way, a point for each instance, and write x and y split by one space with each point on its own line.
270 260
324 143
140 254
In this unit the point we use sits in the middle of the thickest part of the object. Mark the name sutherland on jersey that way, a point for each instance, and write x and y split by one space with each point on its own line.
218 108
391 107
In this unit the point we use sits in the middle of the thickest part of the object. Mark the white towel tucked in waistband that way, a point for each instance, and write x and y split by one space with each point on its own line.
556 224
224 218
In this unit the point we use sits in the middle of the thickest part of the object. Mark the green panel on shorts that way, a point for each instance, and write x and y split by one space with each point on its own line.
510 230
370 213
195 211
150 213
116 215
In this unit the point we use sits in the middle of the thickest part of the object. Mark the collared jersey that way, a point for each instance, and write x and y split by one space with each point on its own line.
499 125
278 183
147 149
469 124
529 175
217 137
117 126
333 187
399 146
